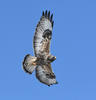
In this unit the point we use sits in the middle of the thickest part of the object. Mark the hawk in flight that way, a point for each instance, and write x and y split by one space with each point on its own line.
41 63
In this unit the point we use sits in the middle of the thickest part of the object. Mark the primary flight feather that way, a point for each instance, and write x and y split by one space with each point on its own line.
41 63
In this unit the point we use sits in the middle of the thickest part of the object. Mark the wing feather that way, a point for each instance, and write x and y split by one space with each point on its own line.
45 75
43 33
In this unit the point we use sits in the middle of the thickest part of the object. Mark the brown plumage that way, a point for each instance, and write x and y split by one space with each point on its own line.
41 44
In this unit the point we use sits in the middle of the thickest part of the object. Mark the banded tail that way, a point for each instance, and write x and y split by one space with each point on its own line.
29 63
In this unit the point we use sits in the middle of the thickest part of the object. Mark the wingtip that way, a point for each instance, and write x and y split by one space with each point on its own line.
43 13
56 82
51 17
48 15
52 23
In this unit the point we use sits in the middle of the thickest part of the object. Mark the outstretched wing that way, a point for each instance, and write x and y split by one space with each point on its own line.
43 34
45 75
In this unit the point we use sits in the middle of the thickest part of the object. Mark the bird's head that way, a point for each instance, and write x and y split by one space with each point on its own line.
51 58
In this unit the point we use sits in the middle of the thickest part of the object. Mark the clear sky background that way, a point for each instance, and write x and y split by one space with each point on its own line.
73 43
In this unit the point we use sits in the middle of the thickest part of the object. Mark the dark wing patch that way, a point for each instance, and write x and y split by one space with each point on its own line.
48 75
43 33
47 34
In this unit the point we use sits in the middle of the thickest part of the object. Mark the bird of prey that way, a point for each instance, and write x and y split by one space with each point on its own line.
41 63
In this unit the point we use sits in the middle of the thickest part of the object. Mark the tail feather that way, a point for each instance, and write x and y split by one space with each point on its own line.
29 63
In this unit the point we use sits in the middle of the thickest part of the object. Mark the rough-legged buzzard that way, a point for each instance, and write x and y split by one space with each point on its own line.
41 63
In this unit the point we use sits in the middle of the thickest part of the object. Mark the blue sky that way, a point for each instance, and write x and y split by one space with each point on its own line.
73 43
